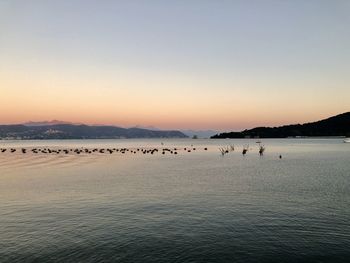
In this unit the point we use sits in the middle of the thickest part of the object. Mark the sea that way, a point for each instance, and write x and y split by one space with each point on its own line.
292 204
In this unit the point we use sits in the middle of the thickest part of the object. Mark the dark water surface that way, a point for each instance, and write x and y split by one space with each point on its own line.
192 207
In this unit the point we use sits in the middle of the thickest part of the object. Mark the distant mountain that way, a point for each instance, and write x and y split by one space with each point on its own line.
71 131
45 123
199 133
147 128
338 125
190 133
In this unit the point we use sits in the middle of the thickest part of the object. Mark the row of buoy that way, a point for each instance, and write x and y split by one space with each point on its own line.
152 151
100 150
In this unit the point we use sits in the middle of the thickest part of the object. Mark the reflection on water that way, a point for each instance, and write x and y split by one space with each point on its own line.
192 207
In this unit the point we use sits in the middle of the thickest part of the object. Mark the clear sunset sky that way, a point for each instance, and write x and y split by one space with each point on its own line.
217 64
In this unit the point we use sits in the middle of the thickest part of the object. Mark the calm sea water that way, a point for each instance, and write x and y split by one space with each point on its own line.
190 207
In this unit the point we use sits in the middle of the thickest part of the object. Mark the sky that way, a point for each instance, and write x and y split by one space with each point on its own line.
185 64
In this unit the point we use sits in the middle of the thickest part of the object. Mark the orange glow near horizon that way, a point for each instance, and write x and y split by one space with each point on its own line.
184 104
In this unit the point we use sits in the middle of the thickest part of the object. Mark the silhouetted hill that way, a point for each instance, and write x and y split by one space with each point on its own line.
338 125
70 131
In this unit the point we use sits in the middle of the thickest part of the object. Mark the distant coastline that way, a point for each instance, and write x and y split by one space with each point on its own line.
334 127
72 131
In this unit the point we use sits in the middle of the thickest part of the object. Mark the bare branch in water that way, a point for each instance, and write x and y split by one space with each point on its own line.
261 149
224 150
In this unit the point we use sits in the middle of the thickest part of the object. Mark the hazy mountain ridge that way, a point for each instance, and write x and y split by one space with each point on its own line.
338 125
71 131
190 133
47 123
200 133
